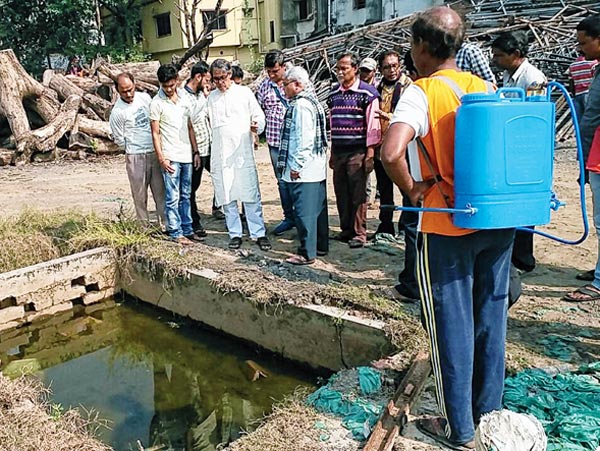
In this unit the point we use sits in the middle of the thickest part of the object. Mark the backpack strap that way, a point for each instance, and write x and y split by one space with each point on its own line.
421 145
452 85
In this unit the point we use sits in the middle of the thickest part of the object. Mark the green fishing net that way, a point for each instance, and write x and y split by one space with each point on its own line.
351 401
567 404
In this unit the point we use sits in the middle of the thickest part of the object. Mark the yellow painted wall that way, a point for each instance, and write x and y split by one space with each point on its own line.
245 38
269 10
152 43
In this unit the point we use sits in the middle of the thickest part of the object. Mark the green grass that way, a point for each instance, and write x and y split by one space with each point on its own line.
34 237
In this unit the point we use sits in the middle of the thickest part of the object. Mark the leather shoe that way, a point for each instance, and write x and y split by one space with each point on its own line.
195 237
283 227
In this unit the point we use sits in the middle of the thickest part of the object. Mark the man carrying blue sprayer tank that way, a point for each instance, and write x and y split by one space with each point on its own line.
463 274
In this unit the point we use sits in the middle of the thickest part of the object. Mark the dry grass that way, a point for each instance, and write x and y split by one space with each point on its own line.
34 237
293 426
30 423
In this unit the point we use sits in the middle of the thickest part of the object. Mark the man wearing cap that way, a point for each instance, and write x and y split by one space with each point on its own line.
367 69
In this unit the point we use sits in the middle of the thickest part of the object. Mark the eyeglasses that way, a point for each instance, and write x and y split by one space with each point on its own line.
285 83
222 78
391 66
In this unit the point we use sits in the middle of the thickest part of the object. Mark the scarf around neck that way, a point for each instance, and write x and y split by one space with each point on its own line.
320 143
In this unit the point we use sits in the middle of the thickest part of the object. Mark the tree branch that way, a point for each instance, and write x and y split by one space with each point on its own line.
205 39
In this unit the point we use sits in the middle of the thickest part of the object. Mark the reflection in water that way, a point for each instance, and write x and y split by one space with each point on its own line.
157 381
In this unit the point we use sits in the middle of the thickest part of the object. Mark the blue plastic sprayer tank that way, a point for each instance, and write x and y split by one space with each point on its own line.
503 161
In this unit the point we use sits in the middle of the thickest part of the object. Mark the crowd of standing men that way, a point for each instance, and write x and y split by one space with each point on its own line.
401 127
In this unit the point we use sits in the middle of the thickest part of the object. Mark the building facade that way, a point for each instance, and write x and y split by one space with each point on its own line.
303 20
242 31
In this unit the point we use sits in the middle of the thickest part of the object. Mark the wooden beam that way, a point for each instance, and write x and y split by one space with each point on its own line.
394 417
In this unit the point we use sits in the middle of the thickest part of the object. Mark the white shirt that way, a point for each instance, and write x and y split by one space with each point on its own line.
525 75
413 109
301 155
173 120
232 165
130 124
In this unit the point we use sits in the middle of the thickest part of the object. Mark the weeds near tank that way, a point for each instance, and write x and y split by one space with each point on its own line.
34 237
292 426
31 423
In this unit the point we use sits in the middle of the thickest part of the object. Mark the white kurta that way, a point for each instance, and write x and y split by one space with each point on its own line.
232 164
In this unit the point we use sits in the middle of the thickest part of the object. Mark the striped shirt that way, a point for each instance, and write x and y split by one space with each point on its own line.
200 122
582 74
274 110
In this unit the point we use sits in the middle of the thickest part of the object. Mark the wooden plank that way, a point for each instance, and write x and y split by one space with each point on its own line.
394 417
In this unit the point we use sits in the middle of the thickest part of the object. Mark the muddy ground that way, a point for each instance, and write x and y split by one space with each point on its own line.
543 329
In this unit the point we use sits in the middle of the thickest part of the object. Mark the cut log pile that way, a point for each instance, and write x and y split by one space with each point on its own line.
64 116
550 23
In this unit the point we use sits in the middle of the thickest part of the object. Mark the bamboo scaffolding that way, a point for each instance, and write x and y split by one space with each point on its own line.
550 24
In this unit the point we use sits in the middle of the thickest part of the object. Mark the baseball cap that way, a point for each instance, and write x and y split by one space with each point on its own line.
368 63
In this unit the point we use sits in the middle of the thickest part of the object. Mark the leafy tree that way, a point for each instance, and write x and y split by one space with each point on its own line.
36 28
123 27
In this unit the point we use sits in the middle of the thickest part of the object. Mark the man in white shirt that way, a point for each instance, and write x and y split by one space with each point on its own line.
130 126
235 115
302 164
175 146
510 52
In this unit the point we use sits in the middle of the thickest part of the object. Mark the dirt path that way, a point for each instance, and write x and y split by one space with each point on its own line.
543 330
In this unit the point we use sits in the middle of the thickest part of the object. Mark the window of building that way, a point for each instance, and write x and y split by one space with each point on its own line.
216 23
304 9
163 24
359 4
272 31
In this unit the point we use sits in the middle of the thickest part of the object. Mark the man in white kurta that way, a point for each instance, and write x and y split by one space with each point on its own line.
234 115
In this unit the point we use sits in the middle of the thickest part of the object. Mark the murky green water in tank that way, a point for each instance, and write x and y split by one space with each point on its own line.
156 378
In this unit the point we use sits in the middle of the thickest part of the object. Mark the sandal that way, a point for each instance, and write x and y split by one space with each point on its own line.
588 276
434 428
235 243
355 243
184 241
264 244
585 293
299 260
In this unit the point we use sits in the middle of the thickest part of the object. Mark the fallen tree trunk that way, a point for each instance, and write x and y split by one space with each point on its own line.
91 127
44 139
15 86
87 84
113 72
145 72
65 88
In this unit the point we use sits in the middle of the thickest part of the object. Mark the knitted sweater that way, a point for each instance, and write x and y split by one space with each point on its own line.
348 116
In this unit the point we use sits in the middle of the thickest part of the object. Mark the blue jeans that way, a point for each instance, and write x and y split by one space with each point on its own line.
464 284
284 194
595 186
178 189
